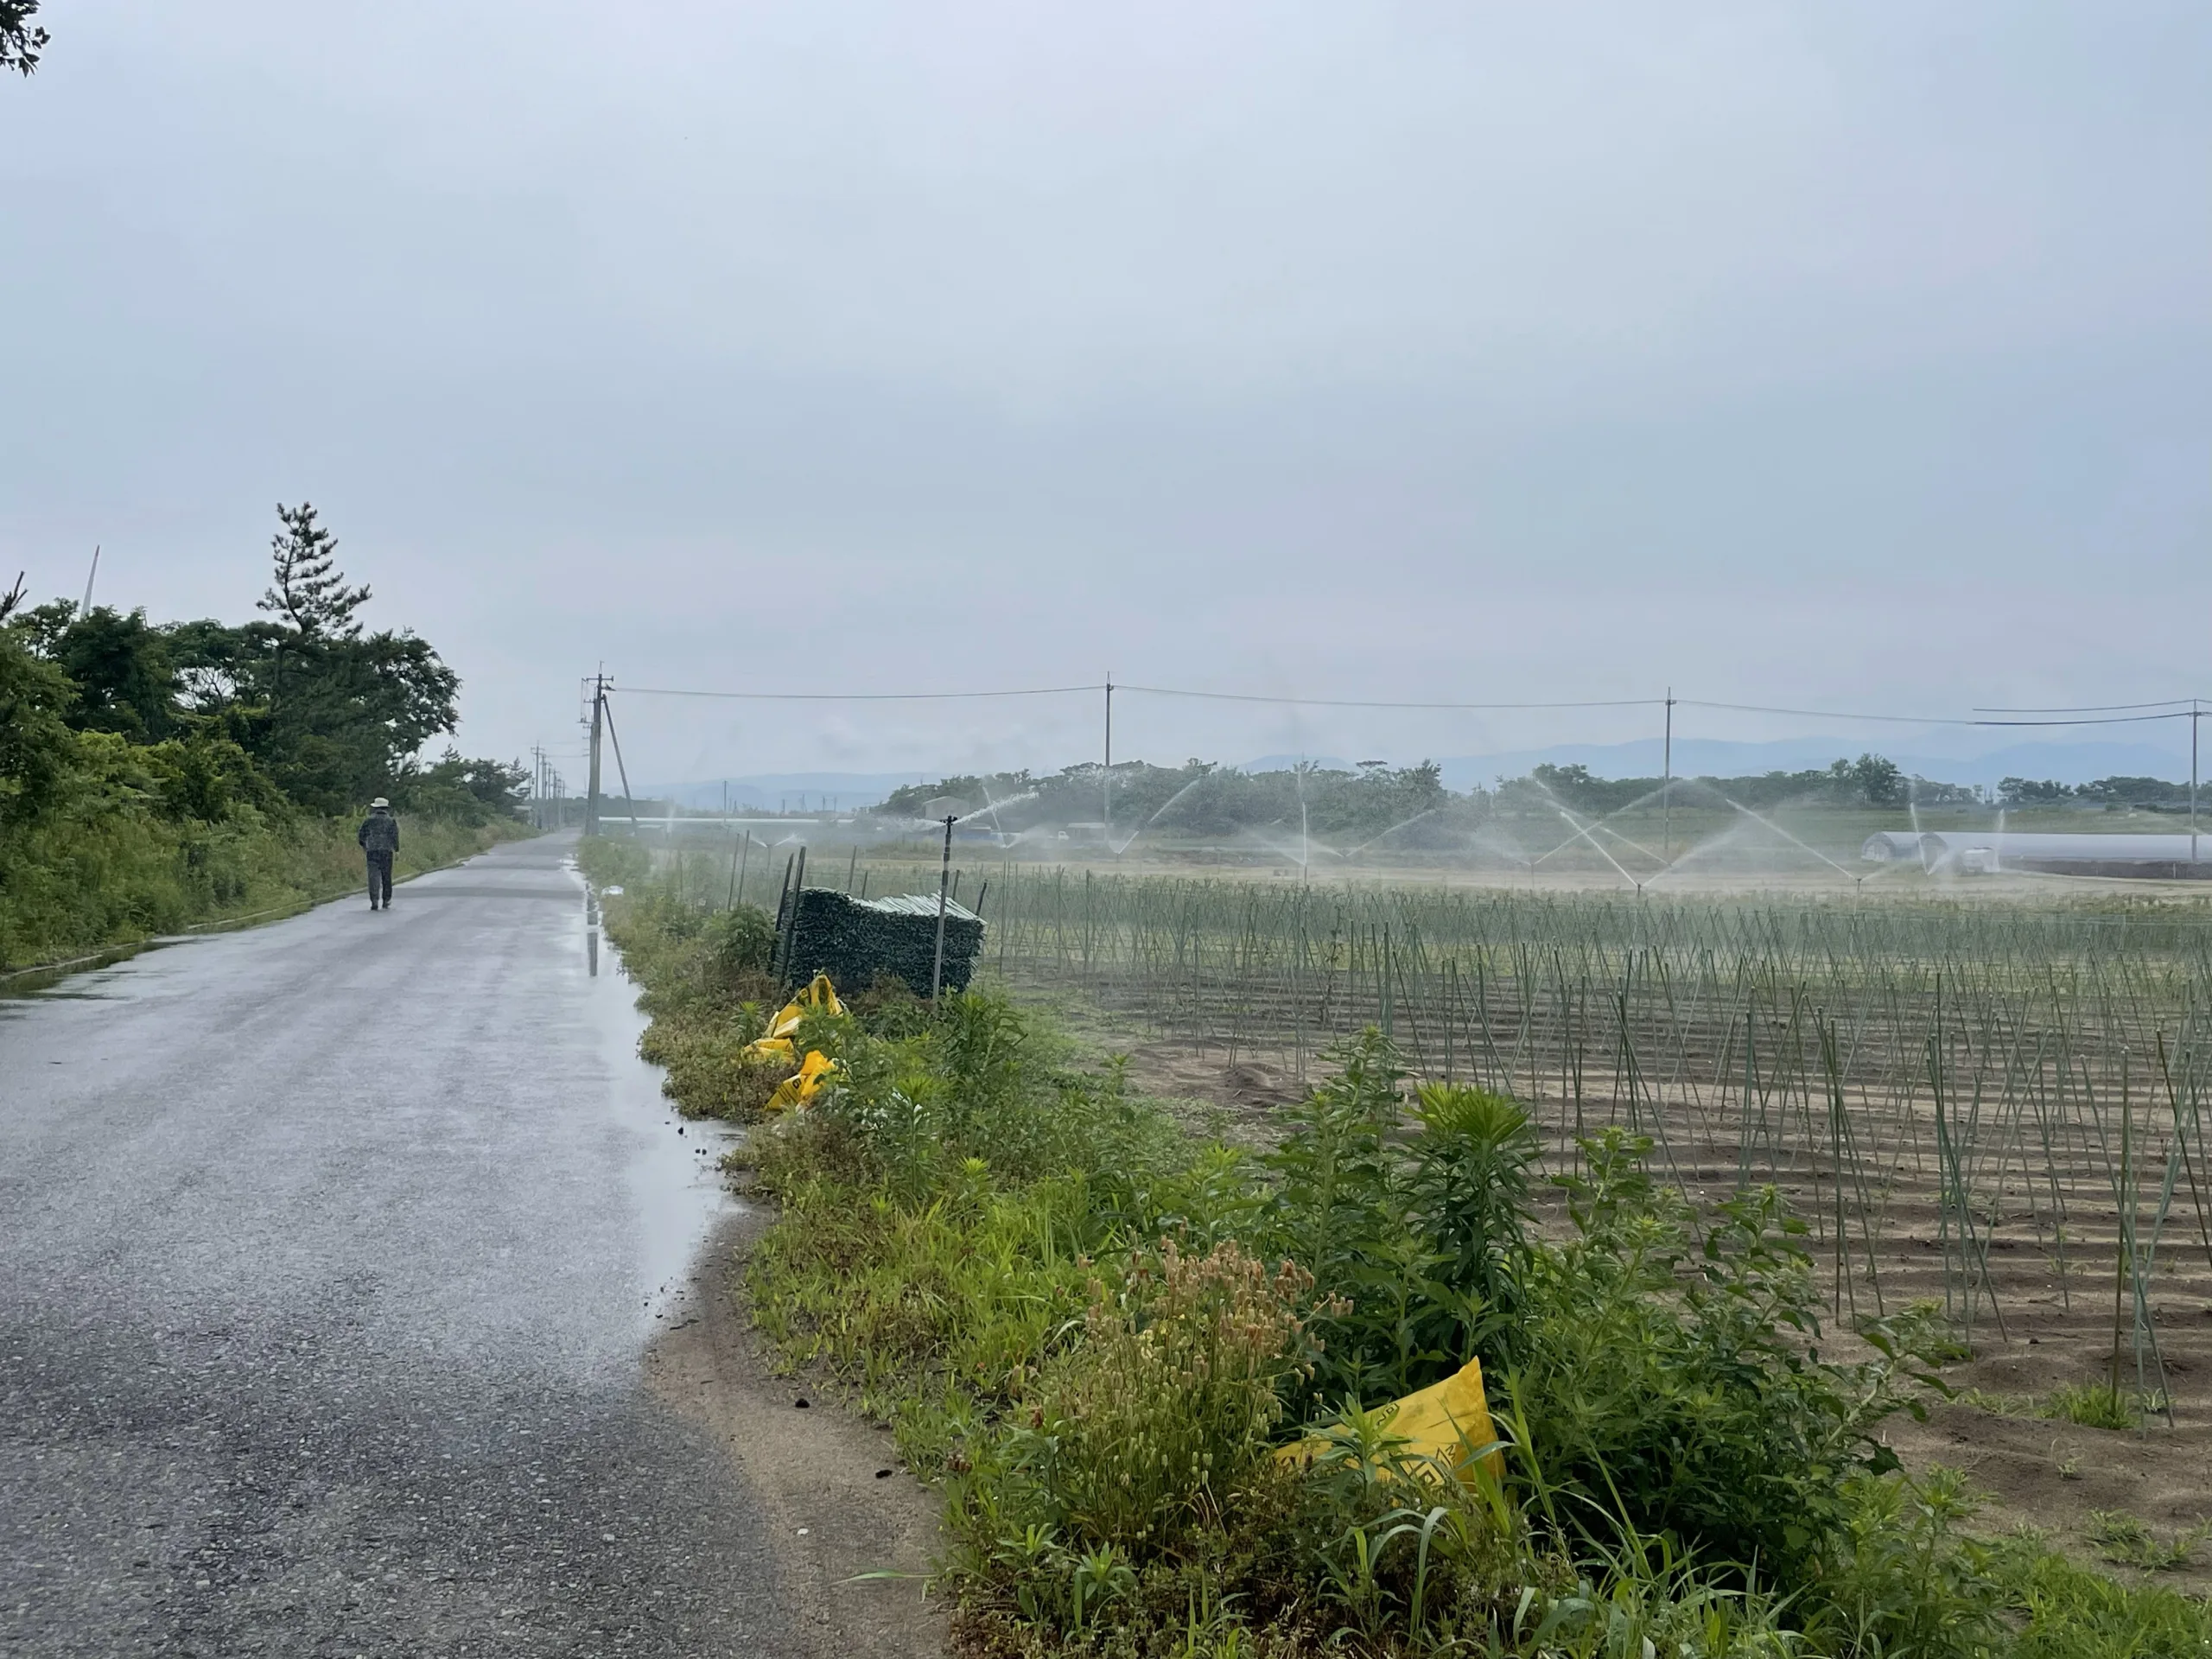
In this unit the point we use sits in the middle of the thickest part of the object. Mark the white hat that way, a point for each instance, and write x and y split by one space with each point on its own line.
380 801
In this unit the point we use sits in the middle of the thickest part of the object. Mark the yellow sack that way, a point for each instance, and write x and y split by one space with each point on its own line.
820 995
1448 1420
797 1091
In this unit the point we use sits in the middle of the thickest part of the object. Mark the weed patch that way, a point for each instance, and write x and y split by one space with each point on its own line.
2126 1541
2093 1406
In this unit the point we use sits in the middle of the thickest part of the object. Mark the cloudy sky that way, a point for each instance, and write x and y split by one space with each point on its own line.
1833 357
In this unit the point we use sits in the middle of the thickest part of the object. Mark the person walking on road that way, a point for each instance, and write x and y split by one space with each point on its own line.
379 839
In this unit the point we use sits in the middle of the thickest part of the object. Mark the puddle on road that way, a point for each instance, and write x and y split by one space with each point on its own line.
675 1179
88 977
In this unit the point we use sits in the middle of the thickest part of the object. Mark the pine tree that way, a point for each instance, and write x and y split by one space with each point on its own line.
310 590
21 40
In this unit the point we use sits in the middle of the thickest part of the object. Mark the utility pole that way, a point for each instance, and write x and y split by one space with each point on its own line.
598 719
630 800
1667 784
1106 777
943 875
2195 715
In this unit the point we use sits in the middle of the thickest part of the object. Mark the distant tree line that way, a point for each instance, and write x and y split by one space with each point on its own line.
2153 794
302 712
1339 805
1870 780
1199 797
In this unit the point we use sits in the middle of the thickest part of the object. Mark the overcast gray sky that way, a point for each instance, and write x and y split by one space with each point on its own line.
1834 356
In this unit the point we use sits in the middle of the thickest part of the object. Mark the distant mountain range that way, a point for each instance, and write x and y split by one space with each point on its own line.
2064 763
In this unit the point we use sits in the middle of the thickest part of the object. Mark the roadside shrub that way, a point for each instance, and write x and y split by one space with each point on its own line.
107 862
1420 1240
1340 1208
611 863
1676 1388
695 963
1142 1433
1895 1575
709 1073
940 1314
1469 1192
889 1006
739 942
1401 1547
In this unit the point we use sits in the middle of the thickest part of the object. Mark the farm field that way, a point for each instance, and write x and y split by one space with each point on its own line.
1985 1095
1980 1102
1994 1105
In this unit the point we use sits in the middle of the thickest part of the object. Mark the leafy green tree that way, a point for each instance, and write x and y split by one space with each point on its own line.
469 790
37 748
207 778
2135 791
222 668
121 666
20 41
1878 781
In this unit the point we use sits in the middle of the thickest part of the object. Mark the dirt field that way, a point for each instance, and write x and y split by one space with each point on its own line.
2109 1497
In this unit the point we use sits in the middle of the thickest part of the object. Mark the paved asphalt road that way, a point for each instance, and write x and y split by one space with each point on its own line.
328 1253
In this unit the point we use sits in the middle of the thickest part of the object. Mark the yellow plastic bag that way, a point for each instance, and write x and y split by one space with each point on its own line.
813 1071
797 1090
1447 1420
821 996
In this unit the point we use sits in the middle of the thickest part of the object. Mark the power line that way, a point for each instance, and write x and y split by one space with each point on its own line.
2102 720
1352 703
2088 715
1823 713
2089 708
855 696
1927 720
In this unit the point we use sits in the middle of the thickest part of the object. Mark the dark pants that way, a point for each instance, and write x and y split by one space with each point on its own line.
379 879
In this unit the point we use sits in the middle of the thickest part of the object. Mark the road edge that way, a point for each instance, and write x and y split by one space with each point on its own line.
844 1514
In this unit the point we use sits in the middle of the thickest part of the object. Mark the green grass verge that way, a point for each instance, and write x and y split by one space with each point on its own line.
70 889
1093 1333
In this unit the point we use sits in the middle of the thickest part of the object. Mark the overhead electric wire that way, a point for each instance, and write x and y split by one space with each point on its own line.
2089 707
2092 715
1824 713
2102 719
1351 702
1925 720
857 697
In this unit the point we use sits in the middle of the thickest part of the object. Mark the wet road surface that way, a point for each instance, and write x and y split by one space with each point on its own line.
330 1253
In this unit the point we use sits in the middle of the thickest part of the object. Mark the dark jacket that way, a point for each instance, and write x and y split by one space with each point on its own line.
379 833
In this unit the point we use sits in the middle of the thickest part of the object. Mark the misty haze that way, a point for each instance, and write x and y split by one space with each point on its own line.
1181 832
